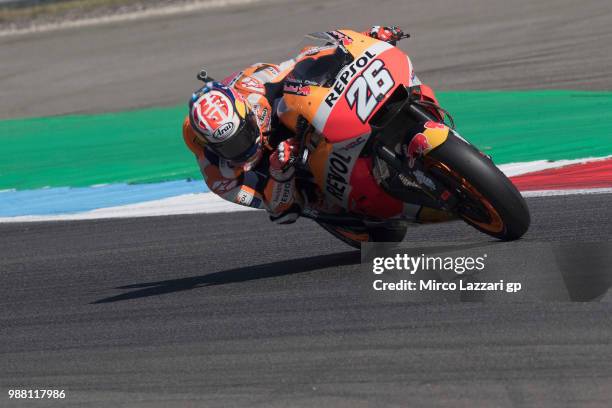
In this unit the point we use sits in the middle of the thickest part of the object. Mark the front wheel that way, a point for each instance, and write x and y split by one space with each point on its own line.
487 199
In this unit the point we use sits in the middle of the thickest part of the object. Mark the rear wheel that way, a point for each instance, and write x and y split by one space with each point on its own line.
487 199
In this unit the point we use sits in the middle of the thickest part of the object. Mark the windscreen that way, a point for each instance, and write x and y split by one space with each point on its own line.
321 57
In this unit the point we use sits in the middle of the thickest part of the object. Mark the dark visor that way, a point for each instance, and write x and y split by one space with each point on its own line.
241 145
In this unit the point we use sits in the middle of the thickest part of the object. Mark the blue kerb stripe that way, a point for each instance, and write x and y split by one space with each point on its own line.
49 201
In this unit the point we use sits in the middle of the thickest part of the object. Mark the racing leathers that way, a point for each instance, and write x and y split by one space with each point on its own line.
266 182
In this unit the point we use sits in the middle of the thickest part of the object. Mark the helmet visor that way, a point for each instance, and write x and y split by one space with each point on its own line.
242 145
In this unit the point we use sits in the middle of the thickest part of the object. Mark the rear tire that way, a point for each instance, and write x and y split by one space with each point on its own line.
493 187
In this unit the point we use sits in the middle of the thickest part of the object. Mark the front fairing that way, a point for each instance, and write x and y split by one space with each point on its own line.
339 101
339 105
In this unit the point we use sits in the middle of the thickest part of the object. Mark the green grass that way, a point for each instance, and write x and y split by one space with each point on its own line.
146 145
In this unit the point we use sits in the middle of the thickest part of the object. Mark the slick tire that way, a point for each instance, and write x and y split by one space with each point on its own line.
508 212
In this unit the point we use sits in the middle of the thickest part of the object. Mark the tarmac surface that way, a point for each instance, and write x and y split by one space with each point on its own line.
230 310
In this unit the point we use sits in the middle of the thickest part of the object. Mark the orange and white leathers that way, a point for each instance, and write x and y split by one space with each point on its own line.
239 183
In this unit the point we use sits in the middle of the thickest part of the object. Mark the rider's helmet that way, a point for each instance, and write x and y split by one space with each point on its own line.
225 123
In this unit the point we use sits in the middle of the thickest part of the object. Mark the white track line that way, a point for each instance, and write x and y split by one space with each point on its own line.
129 16
516 169
200 203
209 203
549 193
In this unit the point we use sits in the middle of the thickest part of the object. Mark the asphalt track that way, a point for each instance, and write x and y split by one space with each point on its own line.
229 310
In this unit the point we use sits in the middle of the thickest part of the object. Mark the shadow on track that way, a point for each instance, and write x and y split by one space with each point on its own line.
269 270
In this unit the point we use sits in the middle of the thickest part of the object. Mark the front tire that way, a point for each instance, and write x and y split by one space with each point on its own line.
490 202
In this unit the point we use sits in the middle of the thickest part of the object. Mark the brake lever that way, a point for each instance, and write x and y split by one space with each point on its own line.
402 37
301 128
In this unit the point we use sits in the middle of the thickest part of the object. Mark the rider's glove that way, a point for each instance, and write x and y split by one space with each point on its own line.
281 160
388 34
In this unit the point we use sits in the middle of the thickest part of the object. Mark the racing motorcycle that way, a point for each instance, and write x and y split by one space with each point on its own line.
375 144
375 150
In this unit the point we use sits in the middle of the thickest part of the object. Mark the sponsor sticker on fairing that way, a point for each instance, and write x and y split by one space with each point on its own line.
296 88
418 146
340 167
430 124
355 142
343 79
347 74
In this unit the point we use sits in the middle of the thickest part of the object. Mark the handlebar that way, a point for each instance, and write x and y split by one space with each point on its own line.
403 36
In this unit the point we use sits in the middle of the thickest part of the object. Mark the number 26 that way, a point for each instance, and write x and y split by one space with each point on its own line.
374 83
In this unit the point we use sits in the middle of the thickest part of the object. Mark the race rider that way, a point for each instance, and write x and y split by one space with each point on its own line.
244 153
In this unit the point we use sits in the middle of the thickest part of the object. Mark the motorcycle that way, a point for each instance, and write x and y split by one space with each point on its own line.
375 150
374 142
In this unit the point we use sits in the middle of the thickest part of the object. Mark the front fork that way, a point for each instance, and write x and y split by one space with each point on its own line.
414 164
431 193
